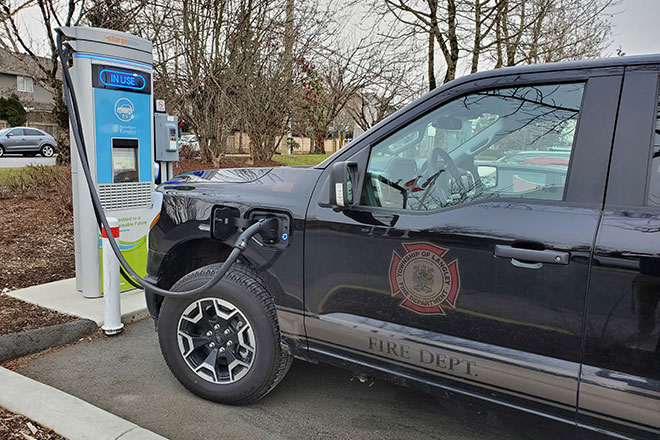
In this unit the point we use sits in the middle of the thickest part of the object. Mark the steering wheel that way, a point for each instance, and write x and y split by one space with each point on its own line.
434 170
450 166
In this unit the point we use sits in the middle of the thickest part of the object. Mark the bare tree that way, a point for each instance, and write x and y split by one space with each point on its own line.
497 33
536 31
340 73
120 15
16 39
389 90
437 21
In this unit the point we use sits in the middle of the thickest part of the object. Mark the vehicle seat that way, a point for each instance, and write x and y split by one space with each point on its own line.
400 170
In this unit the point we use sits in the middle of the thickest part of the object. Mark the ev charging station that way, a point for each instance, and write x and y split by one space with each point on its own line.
111 73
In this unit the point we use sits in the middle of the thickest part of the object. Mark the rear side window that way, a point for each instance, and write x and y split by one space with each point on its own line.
32 132
653 193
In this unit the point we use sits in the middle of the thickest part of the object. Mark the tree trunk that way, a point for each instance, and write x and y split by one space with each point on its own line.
431 62
452 38
61 115
318 143
476 49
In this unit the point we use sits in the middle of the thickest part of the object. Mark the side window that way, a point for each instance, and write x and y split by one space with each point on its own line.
513 142
24 84
653 193
17 132
32 132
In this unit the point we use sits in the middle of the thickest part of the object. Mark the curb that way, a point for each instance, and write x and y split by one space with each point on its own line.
15 345
137 315
65 414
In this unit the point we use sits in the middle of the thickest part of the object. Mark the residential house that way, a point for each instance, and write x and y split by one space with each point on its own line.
21 75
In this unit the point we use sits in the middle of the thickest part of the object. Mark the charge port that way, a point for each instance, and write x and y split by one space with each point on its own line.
278 234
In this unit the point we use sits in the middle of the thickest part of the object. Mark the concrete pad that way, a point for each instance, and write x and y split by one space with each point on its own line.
62 296
63 413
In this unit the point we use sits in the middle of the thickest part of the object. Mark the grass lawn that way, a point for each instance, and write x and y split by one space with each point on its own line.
300 159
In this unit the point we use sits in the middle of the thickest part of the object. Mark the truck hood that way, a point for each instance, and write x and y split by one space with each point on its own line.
227 175
286 187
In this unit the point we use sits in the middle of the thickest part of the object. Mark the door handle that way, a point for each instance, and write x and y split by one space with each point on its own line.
531 258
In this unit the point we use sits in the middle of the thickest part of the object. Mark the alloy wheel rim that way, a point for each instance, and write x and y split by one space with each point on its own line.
48 151
216 340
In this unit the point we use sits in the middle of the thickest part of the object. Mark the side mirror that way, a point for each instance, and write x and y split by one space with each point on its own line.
343 180
487 175
9 134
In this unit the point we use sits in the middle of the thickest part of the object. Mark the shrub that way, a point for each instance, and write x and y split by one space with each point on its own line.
187 152
12 111
30 177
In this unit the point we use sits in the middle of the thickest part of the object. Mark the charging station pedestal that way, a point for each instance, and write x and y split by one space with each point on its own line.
112 79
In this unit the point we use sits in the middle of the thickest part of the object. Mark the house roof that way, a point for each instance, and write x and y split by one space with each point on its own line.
22 64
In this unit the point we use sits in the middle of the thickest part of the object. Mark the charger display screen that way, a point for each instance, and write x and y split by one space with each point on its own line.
119 78
125 160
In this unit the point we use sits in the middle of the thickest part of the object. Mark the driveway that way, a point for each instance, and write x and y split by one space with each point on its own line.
127 376
18 161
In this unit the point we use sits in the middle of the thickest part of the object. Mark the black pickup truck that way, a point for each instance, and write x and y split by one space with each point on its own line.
499 239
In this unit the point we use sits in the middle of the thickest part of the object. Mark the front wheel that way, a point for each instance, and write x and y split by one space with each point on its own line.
2 151
47 151
224 345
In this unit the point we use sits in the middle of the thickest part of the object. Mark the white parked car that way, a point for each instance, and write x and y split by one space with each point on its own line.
189 140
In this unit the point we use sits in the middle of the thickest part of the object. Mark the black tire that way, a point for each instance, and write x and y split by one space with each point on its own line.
243 288
47 151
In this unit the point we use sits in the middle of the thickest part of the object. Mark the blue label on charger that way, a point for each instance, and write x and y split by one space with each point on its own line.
122 116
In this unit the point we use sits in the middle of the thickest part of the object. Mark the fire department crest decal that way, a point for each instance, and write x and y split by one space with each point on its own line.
423 279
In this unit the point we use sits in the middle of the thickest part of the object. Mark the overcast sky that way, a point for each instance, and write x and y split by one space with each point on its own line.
636 27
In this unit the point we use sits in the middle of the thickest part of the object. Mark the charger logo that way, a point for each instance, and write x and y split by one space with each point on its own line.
124 109
423 278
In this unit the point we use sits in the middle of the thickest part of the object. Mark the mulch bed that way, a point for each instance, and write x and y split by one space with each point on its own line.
36 247
17 427
36 239
17 316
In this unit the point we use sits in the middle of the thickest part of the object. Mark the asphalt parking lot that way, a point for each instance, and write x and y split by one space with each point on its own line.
18 161
127 376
